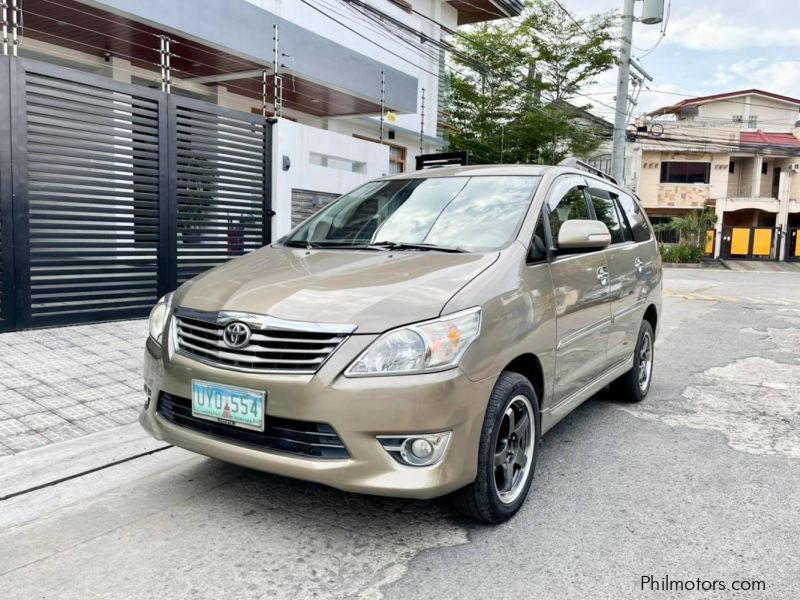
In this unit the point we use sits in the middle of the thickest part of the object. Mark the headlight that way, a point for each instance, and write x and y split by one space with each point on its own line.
158 316
429 346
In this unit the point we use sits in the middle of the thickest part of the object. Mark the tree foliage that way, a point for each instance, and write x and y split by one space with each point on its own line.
512 92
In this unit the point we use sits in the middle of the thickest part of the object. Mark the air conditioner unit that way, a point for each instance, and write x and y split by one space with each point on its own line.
793 168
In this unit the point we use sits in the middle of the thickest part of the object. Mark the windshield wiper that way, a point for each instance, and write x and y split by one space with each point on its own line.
324 246
406 246
300 244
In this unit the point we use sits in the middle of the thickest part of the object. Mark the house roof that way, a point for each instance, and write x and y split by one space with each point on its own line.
769 139
673 108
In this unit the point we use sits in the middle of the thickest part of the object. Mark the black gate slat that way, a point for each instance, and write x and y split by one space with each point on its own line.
203 166
80 148
67 166
86 138
113 118
220 180
121 193
57 155
70 124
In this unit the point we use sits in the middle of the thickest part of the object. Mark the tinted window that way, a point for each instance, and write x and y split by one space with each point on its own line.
685 172
571 205
636 218
627 235
606 212
472 213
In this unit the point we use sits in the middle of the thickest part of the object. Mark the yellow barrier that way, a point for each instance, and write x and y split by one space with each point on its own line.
740 241
762 242
709 242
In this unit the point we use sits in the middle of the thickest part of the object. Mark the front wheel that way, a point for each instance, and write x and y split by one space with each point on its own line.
634 385
507 453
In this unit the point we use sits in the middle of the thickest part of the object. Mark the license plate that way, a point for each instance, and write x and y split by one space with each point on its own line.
227 404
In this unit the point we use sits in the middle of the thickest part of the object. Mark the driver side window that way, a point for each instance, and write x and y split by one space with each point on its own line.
561 208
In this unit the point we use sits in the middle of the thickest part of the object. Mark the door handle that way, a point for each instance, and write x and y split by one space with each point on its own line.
602 275
638 264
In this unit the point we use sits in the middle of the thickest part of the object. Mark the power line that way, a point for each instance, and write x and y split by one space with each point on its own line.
573 19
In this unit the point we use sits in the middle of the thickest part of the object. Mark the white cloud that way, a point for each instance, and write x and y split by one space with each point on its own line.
780 76
702 29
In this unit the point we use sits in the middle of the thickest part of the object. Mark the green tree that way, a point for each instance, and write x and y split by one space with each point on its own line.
483 89
513 80
692 227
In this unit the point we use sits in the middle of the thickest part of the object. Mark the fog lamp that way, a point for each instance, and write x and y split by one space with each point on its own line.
417 450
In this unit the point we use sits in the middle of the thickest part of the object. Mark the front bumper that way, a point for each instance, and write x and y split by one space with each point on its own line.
358 409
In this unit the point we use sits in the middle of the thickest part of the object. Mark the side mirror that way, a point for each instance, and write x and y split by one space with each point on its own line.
583 235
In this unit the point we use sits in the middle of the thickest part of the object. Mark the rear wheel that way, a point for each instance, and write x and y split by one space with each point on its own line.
634 385
507 453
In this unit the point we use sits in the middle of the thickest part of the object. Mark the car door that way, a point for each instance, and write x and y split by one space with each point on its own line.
580 286
624 277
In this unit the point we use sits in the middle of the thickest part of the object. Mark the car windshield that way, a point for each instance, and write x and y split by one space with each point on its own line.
467 214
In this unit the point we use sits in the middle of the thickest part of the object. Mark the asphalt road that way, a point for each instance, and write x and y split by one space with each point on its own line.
700 481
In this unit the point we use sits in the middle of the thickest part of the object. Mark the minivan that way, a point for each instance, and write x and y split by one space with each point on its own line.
415 337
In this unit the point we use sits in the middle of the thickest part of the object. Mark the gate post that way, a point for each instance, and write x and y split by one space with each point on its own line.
7 302
268 210
167 197
20 201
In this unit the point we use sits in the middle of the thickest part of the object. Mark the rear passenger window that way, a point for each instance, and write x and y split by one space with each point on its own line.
606 212
636 218
571 205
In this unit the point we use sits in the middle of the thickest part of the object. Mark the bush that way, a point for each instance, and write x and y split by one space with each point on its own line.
681 253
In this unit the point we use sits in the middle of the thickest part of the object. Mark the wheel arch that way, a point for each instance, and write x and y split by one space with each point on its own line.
529 366
651 316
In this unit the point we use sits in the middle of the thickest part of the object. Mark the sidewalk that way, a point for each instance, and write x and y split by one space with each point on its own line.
62 383
762 266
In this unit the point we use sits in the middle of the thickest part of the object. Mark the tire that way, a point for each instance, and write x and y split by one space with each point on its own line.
633 386
499 491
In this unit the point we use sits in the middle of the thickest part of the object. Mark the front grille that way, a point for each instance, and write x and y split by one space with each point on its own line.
270 349
317 440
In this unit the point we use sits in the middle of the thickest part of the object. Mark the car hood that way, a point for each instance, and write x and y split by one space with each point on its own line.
374 290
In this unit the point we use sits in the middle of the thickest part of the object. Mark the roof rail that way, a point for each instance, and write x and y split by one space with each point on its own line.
584 166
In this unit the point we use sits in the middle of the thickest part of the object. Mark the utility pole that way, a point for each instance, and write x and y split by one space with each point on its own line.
652 14
621 108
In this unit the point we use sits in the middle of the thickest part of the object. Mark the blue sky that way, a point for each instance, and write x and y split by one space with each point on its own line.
710 46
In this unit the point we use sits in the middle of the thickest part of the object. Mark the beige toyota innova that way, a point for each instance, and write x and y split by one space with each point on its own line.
416 337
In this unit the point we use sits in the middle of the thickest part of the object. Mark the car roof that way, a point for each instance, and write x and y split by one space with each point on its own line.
499 170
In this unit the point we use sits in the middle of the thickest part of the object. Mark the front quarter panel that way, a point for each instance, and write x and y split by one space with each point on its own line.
518 317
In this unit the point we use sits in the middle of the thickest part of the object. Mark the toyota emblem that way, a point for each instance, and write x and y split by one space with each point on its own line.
236 334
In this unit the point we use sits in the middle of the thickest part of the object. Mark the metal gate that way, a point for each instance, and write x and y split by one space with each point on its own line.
114 194
749 243
793 244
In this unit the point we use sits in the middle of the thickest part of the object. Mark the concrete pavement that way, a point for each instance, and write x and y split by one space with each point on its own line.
65 382
699 481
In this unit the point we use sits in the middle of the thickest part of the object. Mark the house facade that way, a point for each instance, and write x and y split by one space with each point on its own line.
146 142
341 64
737 153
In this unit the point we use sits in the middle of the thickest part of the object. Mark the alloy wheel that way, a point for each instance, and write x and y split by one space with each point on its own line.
645 361
513 452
